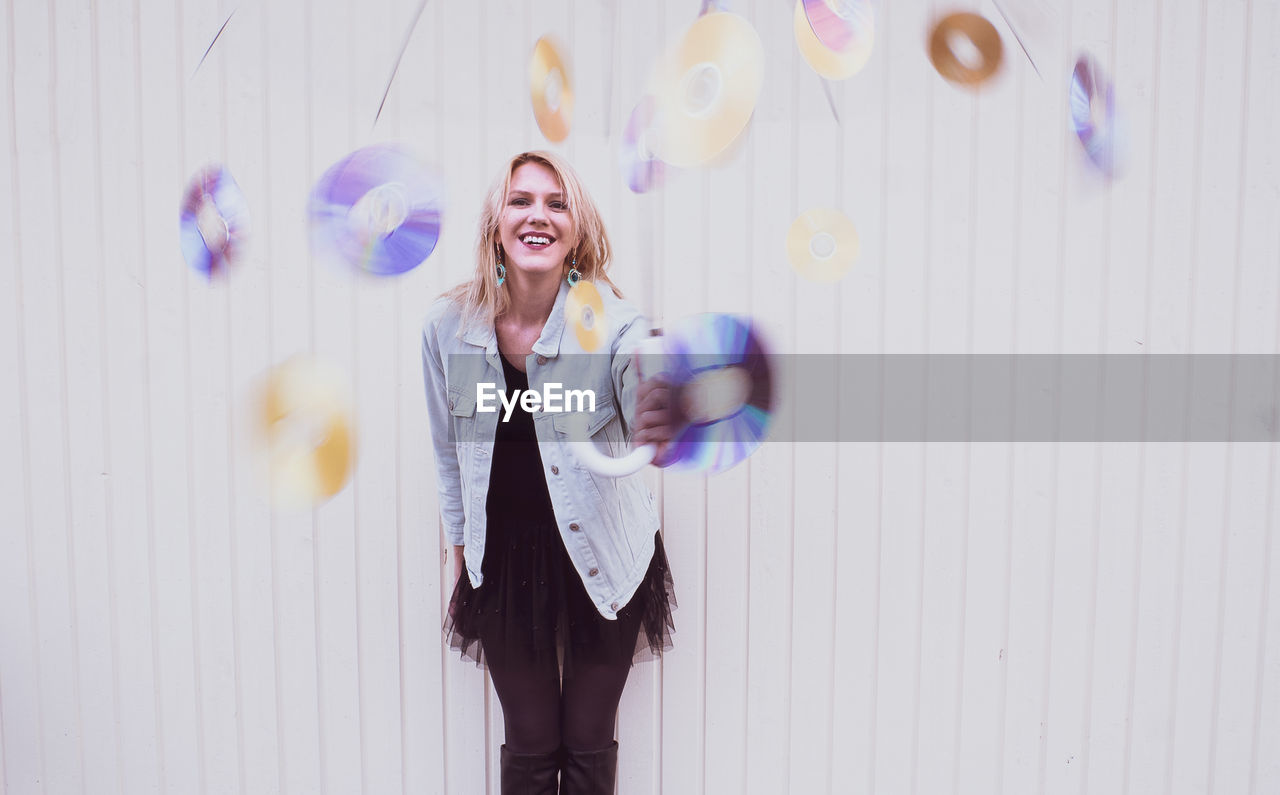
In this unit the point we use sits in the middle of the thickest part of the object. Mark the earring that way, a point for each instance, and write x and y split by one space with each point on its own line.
574 275
502 271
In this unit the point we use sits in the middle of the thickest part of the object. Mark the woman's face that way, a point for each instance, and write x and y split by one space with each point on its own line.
536 226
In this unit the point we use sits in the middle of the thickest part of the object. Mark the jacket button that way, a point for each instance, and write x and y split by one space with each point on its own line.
614 607
574 527
555 470
593 572
542 360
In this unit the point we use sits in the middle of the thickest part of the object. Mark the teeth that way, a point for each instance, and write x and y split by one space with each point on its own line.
537 240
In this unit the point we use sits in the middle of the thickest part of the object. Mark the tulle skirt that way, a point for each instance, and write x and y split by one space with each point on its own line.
532 603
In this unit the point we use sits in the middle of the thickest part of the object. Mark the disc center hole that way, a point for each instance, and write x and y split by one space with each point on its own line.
381 211
553 89
822 245
212 226
702 88
716 394
964 50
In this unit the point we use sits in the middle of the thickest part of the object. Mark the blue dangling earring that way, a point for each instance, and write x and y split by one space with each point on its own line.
502 271
574 275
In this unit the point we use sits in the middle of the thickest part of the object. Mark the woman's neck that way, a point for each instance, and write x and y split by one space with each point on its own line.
531 300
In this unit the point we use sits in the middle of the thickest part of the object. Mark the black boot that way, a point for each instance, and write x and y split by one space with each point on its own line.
529 774
590 772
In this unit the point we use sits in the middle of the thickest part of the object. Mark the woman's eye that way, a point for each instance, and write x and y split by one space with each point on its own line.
559 206
519 201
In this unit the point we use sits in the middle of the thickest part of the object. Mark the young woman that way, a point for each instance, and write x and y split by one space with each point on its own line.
566 580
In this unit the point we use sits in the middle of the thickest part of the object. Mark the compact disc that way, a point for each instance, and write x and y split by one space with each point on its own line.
213 220
822 244
641 168
965 49
722 391
304 432
584 312
1093 115
706 87
550 90
832 64
379 209
837 24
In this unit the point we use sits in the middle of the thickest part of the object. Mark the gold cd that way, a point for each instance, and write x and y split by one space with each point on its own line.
305 433
822 244
585 312
965 49
550 90
827 62
706 87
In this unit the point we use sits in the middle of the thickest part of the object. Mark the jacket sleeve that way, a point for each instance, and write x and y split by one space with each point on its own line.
633 329
448 480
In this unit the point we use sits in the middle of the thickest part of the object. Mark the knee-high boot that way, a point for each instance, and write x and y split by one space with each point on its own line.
529 774
590 772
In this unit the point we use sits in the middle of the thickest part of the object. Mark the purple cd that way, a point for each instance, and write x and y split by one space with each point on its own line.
379 209
838 23
213 221
641 168
722 391
1093 115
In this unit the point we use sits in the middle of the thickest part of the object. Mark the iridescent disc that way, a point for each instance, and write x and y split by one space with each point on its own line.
965 49
585 314
641 168
550 90
822 244
304 432
722 391
1093 115
838 24
213 221
832 64
706 88
379 209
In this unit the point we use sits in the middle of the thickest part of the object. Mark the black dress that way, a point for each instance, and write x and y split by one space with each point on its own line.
532 598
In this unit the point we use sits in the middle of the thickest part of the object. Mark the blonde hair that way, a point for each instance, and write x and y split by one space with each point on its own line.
482 298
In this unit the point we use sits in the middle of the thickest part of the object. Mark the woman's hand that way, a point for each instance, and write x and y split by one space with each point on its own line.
457 575
655 418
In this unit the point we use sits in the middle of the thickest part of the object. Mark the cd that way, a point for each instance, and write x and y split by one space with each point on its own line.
1093 115
584 312
379 209
706 87
722 391
304 432
641 169
829 63
213 220
822 244
550 90
837 24
965 49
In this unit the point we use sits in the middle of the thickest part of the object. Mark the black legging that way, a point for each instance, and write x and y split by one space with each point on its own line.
540 714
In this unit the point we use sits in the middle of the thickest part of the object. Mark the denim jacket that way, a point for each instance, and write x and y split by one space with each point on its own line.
607 524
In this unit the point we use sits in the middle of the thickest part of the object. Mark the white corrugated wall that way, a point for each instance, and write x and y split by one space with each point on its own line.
854 618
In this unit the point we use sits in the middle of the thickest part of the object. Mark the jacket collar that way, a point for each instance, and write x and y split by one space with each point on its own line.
548 343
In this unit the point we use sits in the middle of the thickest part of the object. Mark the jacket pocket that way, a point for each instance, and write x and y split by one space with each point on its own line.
462 409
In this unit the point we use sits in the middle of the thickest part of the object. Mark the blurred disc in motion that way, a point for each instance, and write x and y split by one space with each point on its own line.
965 49
213 221
822 244
584 312
379 209
722 391
1093 116
641 168
706 87
837 24
304 432
551 91
827 62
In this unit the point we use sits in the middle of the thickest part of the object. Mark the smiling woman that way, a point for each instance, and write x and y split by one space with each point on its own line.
556 564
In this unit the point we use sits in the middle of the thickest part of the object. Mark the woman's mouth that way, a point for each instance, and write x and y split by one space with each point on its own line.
537 241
